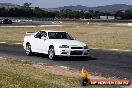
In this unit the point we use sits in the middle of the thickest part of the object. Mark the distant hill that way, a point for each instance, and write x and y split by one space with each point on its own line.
9 5
108 8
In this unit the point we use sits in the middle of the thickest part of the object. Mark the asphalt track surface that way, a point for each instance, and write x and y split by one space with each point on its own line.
102 62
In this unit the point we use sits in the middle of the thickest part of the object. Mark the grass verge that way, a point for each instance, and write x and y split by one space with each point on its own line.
96 35
24 74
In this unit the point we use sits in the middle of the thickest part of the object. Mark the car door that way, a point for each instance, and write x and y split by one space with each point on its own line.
39 42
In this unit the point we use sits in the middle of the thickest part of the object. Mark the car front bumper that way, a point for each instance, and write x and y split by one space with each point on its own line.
72 52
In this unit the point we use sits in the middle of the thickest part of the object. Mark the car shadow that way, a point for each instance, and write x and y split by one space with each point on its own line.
74 58
66 58
40 55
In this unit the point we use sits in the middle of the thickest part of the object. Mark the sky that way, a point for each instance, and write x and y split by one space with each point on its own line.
60 3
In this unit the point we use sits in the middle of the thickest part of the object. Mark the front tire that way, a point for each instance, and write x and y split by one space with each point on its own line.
51 53
28 50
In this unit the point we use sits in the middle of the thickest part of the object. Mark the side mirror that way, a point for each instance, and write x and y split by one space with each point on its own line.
44 38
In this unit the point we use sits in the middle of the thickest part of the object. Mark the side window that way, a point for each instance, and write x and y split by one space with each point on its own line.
37 35
41 34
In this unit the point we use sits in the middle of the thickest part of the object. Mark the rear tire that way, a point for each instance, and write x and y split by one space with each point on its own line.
51 53
28 50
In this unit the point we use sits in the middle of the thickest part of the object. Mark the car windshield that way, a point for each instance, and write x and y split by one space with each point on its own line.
59 35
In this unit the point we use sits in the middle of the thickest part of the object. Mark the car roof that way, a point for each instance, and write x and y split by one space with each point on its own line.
52 31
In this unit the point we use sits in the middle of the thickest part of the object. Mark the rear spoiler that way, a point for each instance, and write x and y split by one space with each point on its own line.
30 33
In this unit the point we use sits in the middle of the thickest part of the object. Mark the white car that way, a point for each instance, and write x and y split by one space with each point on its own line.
54 43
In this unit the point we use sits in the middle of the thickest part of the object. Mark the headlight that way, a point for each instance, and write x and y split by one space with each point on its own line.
86 47
64 46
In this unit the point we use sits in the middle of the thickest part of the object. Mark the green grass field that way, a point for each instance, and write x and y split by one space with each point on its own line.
96 35
25 74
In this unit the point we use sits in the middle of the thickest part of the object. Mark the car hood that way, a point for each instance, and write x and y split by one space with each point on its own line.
67 42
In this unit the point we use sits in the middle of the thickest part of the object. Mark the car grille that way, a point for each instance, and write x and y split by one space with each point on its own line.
76 47
76 53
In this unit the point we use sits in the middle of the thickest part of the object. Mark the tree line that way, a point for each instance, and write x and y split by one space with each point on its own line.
26 11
